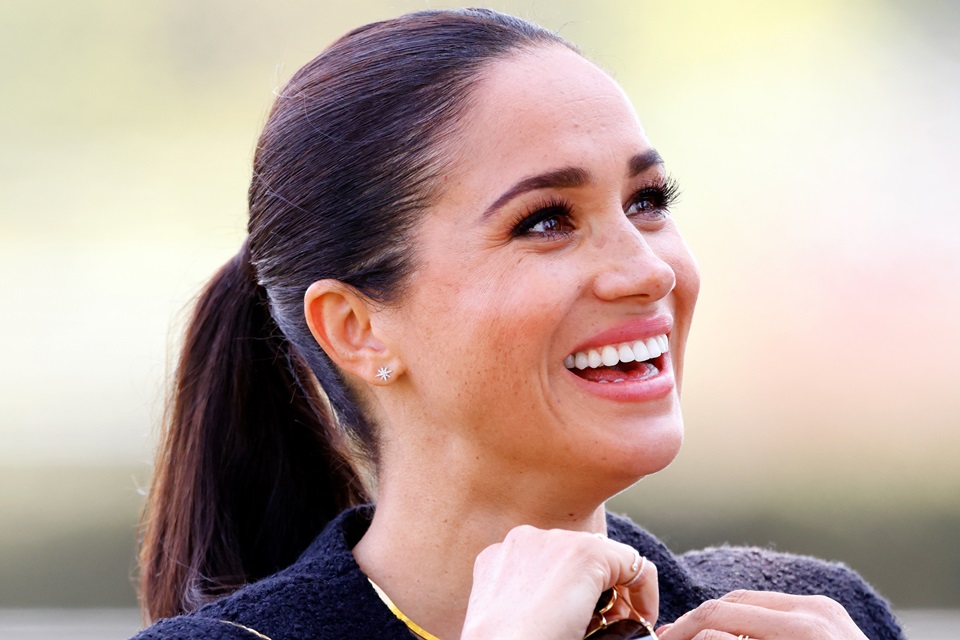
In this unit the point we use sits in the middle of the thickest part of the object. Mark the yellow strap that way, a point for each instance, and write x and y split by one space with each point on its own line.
413 626
253 631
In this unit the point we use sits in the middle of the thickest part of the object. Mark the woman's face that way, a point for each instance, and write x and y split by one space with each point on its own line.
550 248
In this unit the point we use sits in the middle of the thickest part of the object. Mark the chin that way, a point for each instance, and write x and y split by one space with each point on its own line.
653 446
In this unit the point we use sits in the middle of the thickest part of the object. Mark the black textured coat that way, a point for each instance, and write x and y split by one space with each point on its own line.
325 596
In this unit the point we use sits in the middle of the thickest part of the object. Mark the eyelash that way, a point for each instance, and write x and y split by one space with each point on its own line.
662 195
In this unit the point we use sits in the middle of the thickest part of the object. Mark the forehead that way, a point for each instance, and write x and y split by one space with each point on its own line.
542 109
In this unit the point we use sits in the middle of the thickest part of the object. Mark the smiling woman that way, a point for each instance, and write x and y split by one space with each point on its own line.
462 300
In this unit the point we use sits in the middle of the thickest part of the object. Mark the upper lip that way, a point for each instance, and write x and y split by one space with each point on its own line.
629 331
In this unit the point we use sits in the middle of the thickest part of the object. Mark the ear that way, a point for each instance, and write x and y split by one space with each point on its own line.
339 318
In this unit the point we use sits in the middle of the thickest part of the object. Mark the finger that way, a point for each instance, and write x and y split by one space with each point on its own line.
636 578
626 564
644 592
783 601
732 618
710 634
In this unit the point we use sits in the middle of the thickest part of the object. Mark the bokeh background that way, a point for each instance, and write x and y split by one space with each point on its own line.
818 145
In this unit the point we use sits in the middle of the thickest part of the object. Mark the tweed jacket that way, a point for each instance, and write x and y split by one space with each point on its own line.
325 596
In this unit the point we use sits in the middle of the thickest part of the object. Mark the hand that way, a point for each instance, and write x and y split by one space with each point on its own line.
764 615
545 584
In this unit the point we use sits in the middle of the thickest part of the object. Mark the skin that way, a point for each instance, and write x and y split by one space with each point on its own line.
494 464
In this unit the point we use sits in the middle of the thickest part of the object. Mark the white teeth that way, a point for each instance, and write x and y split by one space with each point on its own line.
612 354
640 351
654 347
594 359
581 360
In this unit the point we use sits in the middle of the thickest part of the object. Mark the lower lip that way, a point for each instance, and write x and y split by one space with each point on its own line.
655 387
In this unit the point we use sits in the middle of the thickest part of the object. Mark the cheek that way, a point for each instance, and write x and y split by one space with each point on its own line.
511 311
688 279
675 252
489 337
685 294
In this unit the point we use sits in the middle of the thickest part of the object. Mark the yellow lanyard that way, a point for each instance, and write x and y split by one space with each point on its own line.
419 631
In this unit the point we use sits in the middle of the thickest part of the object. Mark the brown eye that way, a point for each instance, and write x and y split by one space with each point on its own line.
547 220
652 203
647 207
552 225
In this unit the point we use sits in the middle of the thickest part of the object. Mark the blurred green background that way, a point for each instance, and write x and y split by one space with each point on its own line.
818 144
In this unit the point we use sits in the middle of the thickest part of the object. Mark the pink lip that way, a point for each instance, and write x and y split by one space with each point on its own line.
649 389
655 388
637 329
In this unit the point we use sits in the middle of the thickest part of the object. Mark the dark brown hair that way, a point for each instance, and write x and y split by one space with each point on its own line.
253 462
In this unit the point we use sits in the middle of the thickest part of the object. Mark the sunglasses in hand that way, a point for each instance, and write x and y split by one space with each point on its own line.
625 622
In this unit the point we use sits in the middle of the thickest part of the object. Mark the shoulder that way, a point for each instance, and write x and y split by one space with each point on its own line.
726 568
323 595
273 608
196 628
719 570
689 579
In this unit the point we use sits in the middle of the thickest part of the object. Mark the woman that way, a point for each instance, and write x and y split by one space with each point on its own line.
460 230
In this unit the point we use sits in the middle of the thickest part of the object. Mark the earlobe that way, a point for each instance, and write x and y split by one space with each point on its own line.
339 318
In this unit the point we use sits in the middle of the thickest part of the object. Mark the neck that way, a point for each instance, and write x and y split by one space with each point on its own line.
422 543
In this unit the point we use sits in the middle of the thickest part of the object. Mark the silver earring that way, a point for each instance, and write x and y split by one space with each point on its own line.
384 373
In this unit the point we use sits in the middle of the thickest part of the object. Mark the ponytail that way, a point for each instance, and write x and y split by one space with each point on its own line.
251 466
249 469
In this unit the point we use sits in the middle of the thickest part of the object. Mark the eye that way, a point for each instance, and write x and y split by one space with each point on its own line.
646 205
546 220
652 202
551 225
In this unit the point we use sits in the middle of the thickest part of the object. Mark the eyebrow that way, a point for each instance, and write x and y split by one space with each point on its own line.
643 161
568 178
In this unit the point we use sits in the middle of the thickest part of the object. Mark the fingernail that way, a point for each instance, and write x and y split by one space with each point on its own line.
662 631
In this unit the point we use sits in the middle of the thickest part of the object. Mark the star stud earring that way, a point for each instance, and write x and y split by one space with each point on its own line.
384 373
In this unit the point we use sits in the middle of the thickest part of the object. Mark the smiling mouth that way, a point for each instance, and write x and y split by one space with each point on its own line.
621 362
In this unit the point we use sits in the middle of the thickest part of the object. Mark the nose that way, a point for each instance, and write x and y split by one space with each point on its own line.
631 267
